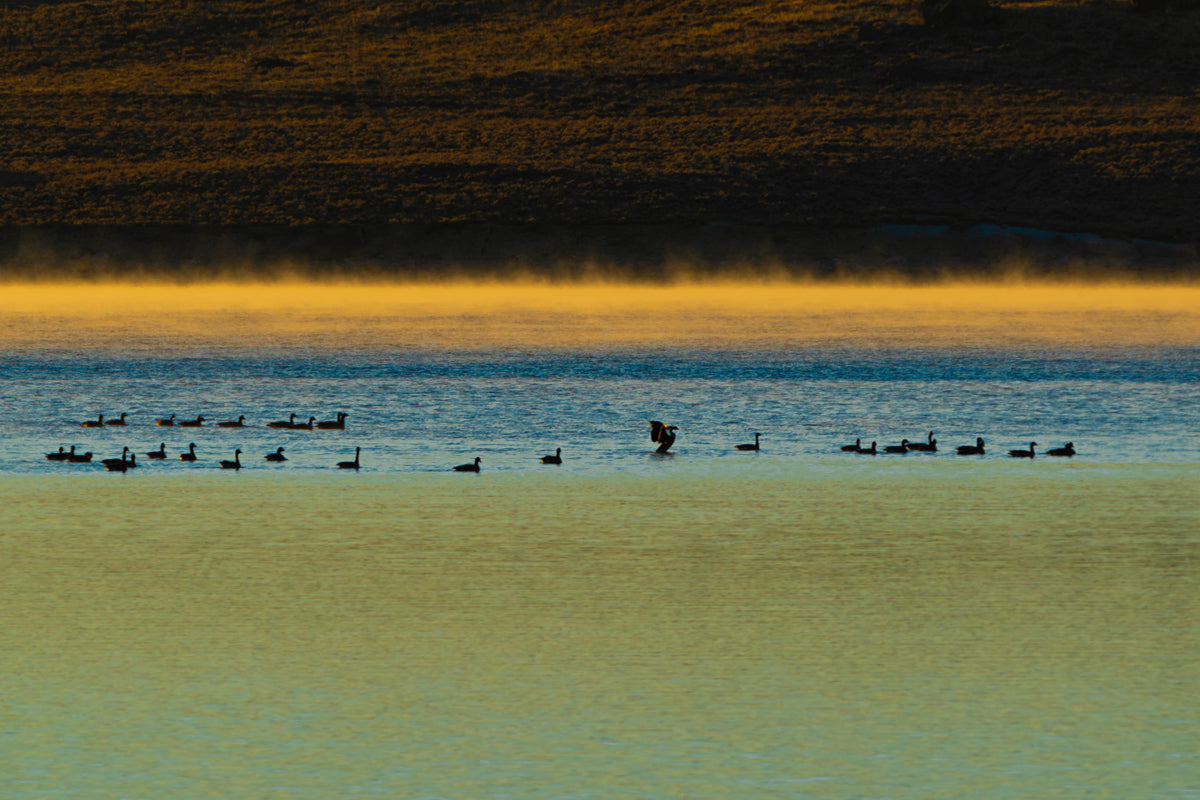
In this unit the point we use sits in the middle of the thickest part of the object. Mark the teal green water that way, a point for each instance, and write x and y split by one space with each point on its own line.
756 630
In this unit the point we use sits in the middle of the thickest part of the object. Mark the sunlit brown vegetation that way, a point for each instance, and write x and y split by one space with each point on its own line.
1056 114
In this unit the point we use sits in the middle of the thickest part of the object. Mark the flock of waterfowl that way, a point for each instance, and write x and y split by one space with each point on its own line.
931 446
128 459
660 433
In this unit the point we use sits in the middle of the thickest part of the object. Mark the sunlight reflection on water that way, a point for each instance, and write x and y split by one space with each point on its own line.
794 622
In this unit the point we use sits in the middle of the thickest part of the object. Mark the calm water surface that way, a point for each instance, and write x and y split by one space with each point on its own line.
793 623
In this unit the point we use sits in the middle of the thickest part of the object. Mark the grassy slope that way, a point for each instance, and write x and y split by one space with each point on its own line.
804 113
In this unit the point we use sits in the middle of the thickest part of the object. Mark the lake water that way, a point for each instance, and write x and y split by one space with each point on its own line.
796 622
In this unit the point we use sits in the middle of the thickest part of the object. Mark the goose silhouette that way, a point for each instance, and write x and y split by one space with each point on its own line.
93 423
1023 453
351 464
117 464
161 452
288 423
169 422
554 459
190 455
924 447
750 446
338 424
1067 450
276 456
972 450
236 463
663 434
193 423
240 422
868 451
472 467
897 448
853 448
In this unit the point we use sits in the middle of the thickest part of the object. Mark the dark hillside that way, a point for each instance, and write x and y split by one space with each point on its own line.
1062 115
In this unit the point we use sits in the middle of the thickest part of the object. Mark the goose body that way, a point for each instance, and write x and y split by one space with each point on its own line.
304 426
1067 450
236 463
93 423
114 464
897 448
750 446
338 424
169 422
190 455
276 456
972 450
1023 453
868 451
193 423
853 448
240 422
663 434
79 458
554 459
288 423
351 464
924 447
61 455
161 452
472 467
119 421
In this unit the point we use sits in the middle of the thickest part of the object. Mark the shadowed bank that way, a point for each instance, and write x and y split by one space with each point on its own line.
1059 115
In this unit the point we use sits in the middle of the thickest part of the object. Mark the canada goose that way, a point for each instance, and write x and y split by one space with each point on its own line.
94 423
853 448
554 459
1067 450
338 424
120 421
472 467
116 463
972 450
289 422
350 464
239 423
1023 453
80 458
304 426
749 446
897 448
193 423
868 451
190 455
663 434
276 456
61 455
161 452
924 447
169 422
235 464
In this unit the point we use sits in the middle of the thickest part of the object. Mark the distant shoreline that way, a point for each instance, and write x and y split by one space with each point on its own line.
629 252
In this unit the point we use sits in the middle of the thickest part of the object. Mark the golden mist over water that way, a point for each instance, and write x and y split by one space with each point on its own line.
724 314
